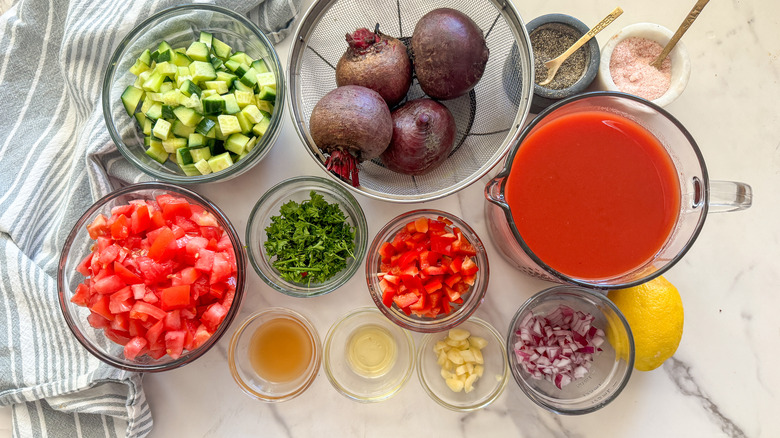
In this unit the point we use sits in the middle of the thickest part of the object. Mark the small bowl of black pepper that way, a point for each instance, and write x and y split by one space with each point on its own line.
551 35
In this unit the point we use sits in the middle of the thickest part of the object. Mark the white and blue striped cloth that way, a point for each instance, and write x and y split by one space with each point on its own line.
56 159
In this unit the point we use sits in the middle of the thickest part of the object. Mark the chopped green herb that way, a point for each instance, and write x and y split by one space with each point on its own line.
309 242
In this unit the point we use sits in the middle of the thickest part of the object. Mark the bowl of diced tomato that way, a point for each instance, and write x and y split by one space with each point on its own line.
427 270
150 277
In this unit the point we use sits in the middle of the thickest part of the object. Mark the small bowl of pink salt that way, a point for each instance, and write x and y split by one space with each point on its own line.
625 64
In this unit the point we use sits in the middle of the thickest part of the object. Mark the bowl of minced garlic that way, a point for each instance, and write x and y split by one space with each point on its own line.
625 64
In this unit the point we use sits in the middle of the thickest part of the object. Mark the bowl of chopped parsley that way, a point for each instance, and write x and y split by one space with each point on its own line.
306 236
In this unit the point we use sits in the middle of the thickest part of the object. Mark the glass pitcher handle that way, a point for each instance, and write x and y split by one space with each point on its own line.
494 194
729 196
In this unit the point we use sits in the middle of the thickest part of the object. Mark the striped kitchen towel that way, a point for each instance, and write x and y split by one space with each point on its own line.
56 159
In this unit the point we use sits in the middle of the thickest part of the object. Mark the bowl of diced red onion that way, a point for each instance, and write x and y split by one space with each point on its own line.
570 350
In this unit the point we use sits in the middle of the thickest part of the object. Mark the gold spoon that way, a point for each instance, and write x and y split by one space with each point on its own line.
680 31
554 64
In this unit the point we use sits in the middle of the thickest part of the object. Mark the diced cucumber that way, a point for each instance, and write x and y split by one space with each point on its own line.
226 77
202 71
181 130
213 105
260 128
232 65
264 105
203 153
188 116
216 148
155 111
251 144
157 152
140 118
259 66
131 97
221 161
206 93
166 69
171 144
148 102
236 143
164 46
189 169
205 38
198 51
154 82
162 55
162 129
183 156
267 93
219 86
203 167
266 79
250 77
241 87
244 123
216 62
188 88
147 125
252 114
166 85
173 98
220 49
204 126
231 106
180 59
218 133
146 57
241 70
196 140
244 98
138 68
167 112
241 58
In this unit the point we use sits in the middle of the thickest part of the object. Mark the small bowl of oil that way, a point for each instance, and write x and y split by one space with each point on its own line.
275 355
366 357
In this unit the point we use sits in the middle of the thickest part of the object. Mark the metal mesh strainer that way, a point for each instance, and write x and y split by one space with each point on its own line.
488 118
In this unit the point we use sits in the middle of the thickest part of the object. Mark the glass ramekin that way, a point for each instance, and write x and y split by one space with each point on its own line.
297 189
461 312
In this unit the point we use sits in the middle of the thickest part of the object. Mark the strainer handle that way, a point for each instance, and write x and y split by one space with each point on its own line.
494 192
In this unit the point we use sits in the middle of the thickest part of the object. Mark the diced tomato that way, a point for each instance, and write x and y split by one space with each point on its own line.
157 220
83 267
109 254
204 219
121 321
98 321
136 327
213 316
174 343
121 301
80 295
175 297
119 228
118 336
155 331
98 227
205 261
126 275
134 347
143 310
160 241
201 336
140 220
221 268
173 320
108 285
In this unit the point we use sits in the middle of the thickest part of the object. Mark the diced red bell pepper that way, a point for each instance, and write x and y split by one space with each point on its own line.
386 251
421 225
468 267
387 297
405 300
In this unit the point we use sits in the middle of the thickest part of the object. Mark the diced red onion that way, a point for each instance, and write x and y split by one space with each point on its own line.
558 347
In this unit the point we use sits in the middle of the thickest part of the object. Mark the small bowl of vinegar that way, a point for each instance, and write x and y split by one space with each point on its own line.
275 355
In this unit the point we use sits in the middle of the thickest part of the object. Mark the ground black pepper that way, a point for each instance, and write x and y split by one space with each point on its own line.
549 41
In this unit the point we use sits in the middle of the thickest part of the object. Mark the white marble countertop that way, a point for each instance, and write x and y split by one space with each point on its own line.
719 383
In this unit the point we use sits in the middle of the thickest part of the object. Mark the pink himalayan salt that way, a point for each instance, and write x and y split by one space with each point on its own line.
631 70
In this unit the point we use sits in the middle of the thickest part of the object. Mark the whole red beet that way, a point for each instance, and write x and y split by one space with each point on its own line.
423 135
351 124
450 53
376 61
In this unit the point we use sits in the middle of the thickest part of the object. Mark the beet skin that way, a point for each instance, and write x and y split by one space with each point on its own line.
423 136
351 124
376 61
450 53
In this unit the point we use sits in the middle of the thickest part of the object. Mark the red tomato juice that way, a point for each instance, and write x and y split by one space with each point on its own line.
593 194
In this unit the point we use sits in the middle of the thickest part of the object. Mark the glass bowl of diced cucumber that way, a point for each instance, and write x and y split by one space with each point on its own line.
194 94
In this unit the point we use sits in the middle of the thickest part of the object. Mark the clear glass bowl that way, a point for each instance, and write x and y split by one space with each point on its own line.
460 312
77 246
486 389
358 384
181 25
244 373
610 369
297 189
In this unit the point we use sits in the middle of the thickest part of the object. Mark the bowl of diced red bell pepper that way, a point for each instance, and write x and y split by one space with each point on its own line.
150 277
427 270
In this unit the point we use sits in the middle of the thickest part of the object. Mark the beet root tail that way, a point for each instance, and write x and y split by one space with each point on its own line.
343 164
